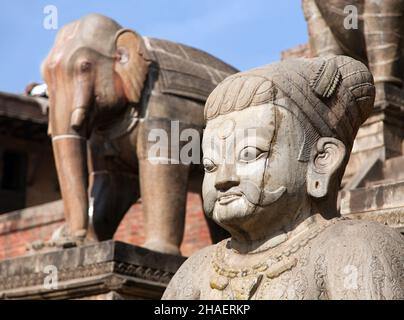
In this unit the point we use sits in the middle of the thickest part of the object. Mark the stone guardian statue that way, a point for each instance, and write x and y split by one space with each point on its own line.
276 145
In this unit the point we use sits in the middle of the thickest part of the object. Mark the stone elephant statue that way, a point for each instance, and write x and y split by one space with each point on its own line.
377 40
109 90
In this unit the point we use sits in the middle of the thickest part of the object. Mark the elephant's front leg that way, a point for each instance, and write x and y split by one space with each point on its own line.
383 33
163 186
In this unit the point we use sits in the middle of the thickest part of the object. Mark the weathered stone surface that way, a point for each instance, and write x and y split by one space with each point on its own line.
300 51
383 203
376 41
111 90
186 71
373 181
17 229
373 35
106 270
381 137
276 144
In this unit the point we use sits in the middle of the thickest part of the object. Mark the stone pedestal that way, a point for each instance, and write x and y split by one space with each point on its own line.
108 270
380 138
373 185
383 203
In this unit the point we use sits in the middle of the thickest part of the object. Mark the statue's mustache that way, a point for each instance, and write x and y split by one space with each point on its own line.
253 193
258 197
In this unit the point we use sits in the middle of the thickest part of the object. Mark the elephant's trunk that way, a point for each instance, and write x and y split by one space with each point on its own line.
77 118
83 100
69 140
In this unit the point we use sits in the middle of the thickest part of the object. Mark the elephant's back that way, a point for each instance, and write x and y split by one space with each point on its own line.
186 71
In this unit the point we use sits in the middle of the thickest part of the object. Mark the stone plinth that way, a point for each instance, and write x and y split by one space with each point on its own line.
383 203
381 137
22 227
373 185
107 270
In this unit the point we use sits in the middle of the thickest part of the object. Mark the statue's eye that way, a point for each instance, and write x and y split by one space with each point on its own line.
249 154
209 165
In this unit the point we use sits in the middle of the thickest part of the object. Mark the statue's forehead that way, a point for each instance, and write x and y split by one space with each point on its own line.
226 128
260 117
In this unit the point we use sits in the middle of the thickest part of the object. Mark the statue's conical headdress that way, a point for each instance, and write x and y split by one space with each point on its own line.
331 96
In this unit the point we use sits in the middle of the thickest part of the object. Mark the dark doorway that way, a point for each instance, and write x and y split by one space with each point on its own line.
13 171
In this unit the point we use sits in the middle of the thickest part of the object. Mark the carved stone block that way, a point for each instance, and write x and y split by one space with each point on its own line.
383 203
381 137
107 270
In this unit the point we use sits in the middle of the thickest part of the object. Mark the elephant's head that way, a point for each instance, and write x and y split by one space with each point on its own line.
93 72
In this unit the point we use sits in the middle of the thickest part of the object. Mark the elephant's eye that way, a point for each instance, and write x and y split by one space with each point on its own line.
209 165
122 55
249 154
85 66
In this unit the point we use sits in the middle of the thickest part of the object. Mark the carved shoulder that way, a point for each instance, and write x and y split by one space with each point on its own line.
360 260
186 283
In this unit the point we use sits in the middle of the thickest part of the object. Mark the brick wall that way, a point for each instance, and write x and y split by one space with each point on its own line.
25 226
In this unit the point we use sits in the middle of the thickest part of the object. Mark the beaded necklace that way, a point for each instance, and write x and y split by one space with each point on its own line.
273 266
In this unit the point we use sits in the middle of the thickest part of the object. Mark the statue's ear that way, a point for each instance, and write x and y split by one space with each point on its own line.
326 158
132 63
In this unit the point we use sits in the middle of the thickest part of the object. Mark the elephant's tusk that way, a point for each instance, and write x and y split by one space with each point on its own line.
67 136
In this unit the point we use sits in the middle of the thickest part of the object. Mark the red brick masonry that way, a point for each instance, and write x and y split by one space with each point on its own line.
25 226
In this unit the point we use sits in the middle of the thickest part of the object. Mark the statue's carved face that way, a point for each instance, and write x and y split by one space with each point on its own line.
251 165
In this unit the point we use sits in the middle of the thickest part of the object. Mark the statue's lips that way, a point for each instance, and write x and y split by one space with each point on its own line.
229 197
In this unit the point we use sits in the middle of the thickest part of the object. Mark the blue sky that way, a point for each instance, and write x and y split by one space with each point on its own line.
244 33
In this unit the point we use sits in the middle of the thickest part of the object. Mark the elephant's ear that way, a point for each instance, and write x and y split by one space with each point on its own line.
132 63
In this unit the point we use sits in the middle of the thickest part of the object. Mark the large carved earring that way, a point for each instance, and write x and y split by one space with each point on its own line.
325 160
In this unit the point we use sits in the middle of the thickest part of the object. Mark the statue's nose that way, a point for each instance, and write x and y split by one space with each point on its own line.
226 177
